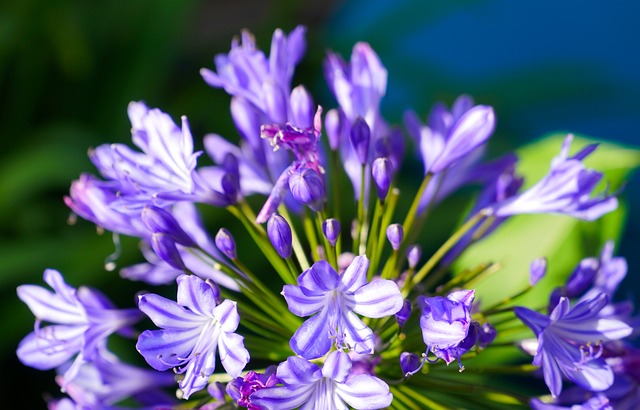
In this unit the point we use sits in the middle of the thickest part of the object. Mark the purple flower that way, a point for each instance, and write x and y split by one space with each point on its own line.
413 255
265 82
79 323
467 168
358 87
569 343
597 402
410 363
404 313
106 381
193 330
92 199
240 389
360 137
161 221
263 100
452 135
566 189
302 141
593 276
303 176
164 172
256 173
334 299
446 322
309 387
200 260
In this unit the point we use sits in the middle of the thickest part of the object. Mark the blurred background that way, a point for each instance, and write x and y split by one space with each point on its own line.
69 68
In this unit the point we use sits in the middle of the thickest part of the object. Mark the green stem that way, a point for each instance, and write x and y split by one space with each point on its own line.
387 213
293 269
312 236
501 306
361 213
408 225
260 238
453 239
375 225
298 250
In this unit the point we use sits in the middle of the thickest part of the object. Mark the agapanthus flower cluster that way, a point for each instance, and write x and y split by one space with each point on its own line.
321 301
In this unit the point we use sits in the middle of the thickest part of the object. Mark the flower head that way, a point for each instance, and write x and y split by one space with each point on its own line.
265 82
452 135
309 387
192 331
446 322
569 343
334 300
240 389
79 322
566 189
105 381
164 172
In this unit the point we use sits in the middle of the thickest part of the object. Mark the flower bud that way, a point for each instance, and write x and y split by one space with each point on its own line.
395 234
225 243
413 255
164 246
307 187
486 334
404 313
360 136
159 220
279 233
410 363
302 107
230 164
230 183
331 230
382 173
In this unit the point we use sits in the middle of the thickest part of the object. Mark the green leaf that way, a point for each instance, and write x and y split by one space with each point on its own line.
561 239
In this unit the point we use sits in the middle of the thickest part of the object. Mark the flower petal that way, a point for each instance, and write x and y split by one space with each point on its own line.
356 334
166 313
365 392
196 294
296 371
320 277
378 298
355 276
233 355
595 375
311 340
301 304
51 346
282 398
336 366
227 314
164 349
